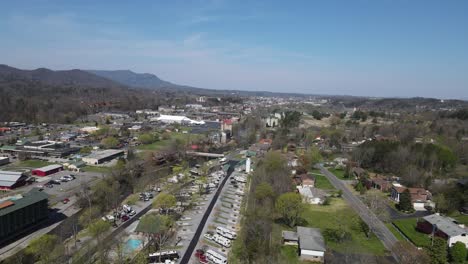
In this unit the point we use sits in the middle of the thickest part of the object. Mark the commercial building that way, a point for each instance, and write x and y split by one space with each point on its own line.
41 148
99 157
444 227
172 119
19 216
12 179
47 170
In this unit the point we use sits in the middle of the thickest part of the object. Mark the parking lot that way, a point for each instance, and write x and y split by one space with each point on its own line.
226 214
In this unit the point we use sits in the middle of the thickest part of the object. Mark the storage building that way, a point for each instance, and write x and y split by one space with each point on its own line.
12 179
47 170
102 156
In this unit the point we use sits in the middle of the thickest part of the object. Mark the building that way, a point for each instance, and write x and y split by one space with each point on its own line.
311 245
381 184
311 195
47 170
12 179
172 119
4 160
23 215
420 197
444 227
99 157
41 148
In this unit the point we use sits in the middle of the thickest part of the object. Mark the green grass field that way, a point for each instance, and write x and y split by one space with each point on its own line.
33 163
159 145
322 182
97 169
463 219
338 215
338 173
408 227
395 232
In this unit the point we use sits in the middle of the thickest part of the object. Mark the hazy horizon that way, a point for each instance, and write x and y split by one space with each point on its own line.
362 48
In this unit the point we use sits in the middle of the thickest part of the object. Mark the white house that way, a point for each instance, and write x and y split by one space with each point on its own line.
446 227
311 195
310 241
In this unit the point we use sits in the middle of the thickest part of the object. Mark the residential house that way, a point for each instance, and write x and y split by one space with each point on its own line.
311 245
420 197
444 227
380 183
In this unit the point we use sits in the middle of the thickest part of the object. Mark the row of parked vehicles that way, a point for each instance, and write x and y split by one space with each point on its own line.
51 183
124 213
223 236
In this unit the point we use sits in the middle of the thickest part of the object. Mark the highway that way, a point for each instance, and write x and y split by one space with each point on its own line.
375 224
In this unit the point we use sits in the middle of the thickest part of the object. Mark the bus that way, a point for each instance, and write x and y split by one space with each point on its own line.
215 257
163 256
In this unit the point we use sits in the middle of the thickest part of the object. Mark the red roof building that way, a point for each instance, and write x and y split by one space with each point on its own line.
47 170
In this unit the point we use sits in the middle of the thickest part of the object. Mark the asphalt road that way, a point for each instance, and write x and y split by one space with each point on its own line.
377 226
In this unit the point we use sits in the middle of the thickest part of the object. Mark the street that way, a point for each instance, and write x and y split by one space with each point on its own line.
376 225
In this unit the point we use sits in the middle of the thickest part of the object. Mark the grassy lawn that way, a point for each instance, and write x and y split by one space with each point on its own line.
97 169
463 219
395 232
408 227
33 163
158 145
338 173
289 255
322 182
338 215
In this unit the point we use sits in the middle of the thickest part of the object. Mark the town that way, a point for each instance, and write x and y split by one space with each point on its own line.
240 132
207 184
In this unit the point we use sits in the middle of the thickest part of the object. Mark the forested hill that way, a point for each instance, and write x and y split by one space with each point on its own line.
44 95
63 78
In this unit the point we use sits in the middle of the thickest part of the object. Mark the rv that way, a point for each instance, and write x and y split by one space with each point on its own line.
163 257
222 240
215 257
226 232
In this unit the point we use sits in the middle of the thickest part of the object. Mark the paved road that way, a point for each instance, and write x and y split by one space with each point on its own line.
377 226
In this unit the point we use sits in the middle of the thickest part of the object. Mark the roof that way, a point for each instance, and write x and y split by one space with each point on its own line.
29 198
417 194
103 154
49 167
310 238
289 235
445 224
9 178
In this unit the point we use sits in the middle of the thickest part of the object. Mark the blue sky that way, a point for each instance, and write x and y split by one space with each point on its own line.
360 47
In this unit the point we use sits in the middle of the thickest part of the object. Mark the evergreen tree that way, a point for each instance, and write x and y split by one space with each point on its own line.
405 202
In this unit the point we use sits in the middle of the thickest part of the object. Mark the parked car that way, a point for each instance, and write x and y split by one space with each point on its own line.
125 217
54 182
66 200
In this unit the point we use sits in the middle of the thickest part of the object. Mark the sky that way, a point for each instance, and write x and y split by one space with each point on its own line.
383 48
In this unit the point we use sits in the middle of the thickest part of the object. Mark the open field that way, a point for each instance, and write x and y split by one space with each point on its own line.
338 215
161 144
408 227
97 169
338 173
